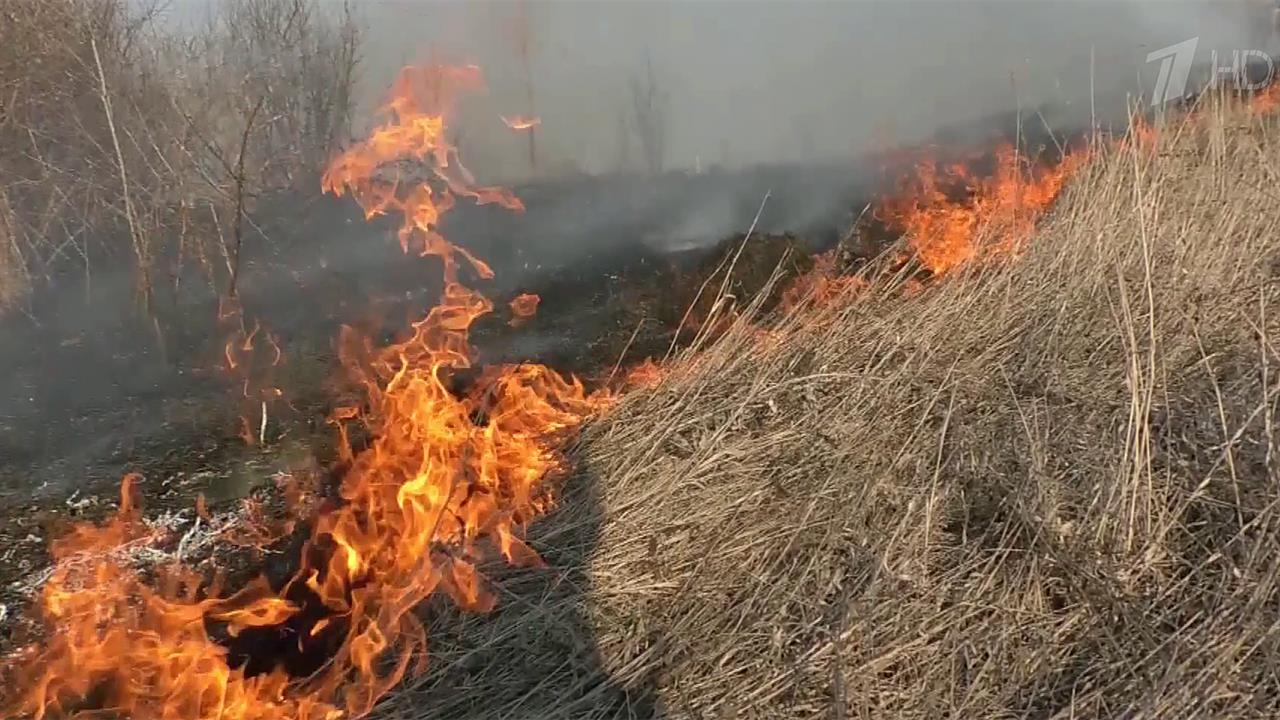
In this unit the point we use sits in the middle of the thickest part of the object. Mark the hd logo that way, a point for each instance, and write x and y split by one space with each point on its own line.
1244 70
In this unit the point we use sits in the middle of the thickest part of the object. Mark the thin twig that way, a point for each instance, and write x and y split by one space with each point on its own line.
139 250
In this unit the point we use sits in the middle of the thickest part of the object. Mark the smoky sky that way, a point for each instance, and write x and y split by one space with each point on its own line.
757 82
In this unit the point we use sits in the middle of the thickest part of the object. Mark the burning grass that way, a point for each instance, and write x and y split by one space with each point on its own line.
1043 486
445 469
1046 488
1040 484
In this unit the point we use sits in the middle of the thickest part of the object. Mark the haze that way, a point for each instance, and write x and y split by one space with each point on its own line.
754 82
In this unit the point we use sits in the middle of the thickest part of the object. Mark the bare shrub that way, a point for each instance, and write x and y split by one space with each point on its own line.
54 143
121 133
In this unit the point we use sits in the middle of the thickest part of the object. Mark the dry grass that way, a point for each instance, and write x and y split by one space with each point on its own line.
1042 489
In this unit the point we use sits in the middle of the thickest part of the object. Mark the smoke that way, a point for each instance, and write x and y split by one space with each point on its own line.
743 83
804 87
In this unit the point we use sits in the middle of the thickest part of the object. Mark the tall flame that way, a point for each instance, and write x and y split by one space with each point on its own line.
444 472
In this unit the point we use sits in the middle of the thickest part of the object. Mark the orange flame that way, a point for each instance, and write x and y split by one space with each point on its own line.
142 650
946 213
521 122
523 307
445 474
1267 100
822 284
1142 136
436 480
421 99
250 356
646 373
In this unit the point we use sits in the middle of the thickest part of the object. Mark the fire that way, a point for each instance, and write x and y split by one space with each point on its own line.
250 358
443 471
142 649
646 373
521 122
258 527
523 307
1267 100
944 213
822 284
449 471
458 464
1142 136
952 214
421 99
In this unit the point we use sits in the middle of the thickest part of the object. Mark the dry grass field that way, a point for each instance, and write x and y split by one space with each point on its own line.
1042 487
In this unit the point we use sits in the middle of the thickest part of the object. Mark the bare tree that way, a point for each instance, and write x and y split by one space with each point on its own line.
649 104
524 41
622 159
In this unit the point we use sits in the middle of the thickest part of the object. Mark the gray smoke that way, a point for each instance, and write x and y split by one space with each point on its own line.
751 82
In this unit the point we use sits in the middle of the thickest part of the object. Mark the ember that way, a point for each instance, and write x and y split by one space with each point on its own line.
251 356
824 283
523 307
1266 100
521 122
644 374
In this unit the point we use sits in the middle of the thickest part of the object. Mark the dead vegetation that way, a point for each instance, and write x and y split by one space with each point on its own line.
130 133
1042 488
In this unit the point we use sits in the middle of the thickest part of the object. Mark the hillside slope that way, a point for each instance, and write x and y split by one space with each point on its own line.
1044 486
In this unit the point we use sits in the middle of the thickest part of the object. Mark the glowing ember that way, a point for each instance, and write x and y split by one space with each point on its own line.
646 373
443 472
523 307
1142 136
521 122
250 359
259 528
822 284
1266 100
